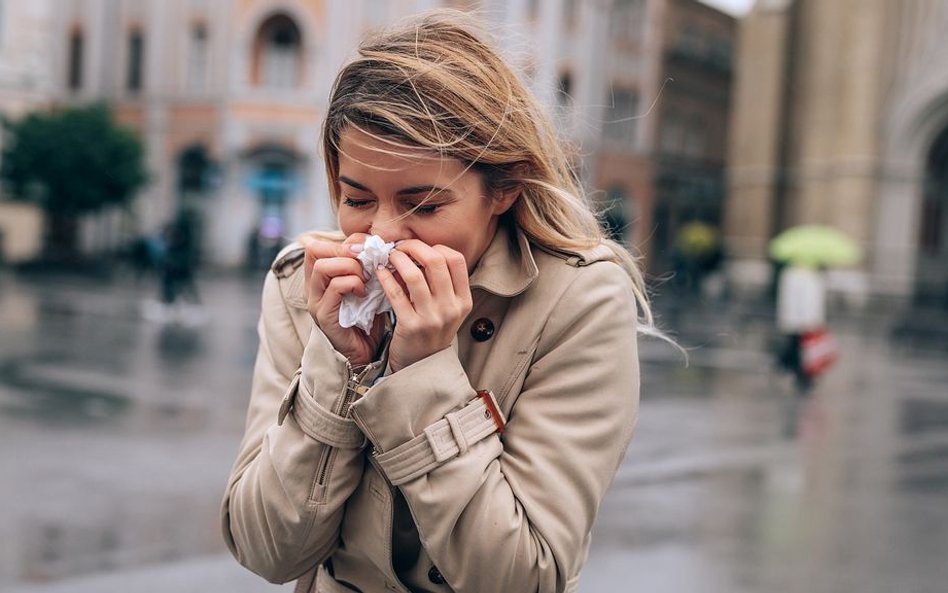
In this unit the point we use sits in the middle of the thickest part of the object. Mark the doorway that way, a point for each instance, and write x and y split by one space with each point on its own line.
931 287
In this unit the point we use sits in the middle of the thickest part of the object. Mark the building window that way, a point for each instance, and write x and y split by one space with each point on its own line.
197 59
76 47
563 100
673 132
564 93
278 53
614 214
696 139
621 117
136 54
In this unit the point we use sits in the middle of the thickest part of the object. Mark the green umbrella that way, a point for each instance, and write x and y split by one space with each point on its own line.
815 245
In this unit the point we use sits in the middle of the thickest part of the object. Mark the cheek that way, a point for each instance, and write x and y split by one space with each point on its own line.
353 221
456 234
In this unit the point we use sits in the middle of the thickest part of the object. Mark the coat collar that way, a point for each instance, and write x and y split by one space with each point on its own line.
507 268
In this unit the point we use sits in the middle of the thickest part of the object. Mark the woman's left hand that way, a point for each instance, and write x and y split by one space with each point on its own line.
431 300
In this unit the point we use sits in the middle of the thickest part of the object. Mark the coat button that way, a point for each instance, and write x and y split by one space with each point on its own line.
435 576
482 329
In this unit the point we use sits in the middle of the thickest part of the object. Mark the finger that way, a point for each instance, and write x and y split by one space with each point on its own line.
356 239
315 250
356 242
325 270
340 286
457 268
413 277
433 264
395 294
326 309
322 249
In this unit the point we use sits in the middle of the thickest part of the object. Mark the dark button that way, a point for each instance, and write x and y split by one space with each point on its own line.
482 329
434 575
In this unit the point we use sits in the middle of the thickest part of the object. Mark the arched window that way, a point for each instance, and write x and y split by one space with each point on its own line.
278 53
935 200
75 59
197 58
194 169
931 273
136 57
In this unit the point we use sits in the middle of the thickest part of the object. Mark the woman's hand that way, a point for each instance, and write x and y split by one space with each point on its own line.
332 271
431 298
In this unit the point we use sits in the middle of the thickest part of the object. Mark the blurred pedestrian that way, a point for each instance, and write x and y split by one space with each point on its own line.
467 444
179 262
801 310
696 254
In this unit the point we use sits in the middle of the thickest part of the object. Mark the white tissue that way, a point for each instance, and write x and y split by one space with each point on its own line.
361 311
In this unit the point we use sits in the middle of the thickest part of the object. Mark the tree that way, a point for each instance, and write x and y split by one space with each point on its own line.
71 162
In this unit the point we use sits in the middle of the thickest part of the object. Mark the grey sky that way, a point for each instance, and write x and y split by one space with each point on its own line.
735 7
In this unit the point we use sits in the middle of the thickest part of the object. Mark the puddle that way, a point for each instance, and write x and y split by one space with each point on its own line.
922 415
47 398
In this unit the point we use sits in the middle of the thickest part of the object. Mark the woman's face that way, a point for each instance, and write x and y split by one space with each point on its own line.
379 193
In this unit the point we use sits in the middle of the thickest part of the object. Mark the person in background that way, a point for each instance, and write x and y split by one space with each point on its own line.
465 445
179 261
801 308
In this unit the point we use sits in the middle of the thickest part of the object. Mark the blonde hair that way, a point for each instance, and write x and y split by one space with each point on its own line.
435 83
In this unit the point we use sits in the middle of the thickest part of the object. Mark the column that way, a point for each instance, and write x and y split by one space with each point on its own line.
545 81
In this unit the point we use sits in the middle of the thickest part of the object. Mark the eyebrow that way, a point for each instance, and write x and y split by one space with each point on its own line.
405 191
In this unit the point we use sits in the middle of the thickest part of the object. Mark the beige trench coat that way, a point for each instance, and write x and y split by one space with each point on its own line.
329 461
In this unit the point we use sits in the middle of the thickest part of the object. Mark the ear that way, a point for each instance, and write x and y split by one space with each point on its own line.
506 199
511 189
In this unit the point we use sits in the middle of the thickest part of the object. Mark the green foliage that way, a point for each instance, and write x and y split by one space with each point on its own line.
72 161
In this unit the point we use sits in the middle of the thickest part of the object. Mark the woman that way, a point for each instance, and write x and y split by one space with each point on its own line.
467 445
801 310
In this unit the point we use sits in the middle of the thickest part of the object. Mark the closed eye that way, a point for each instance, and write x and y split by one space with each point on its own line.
424 209
351 202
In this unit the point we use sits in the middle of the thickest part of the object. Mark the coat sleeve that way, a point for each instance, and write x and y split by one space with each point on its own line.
513 512
297 464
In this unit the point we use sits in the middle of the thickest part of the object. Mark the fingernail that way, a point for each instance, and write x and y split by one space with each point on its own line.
380 267
356 248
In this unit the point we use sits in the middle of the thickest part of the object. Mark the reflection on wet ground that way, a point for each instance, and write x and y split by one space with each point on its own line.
117 433
735 484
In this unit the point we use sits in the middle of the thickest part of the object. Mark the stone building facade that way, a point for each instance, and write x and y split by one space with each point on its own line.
841 118
26 83
689 142
228 96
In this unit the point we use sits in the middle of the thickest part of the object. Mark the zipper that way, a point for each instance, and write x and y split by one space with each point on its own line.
324 458
341 410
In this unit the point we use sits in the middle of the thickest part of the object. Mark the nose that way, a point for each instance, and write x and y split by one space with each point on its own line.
389 226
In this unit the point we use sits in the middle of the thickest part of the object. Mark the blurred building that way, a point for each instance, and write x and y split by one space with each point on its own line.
643 87
689 142
228 96
26 83
841 118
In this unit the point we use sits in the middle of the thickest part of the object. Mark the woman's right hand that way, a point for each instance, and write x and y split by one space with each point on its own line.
332 271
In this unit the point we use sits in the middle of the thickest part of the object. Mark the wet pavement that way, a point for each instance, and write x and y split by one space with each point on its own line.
117 431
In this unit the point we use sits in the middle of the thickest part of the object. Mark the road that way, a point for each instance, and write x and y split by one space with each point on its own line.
117 431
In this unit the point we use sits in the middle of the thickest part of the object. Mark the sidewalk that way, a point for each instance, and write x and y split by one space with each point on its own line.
138 423
210 574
